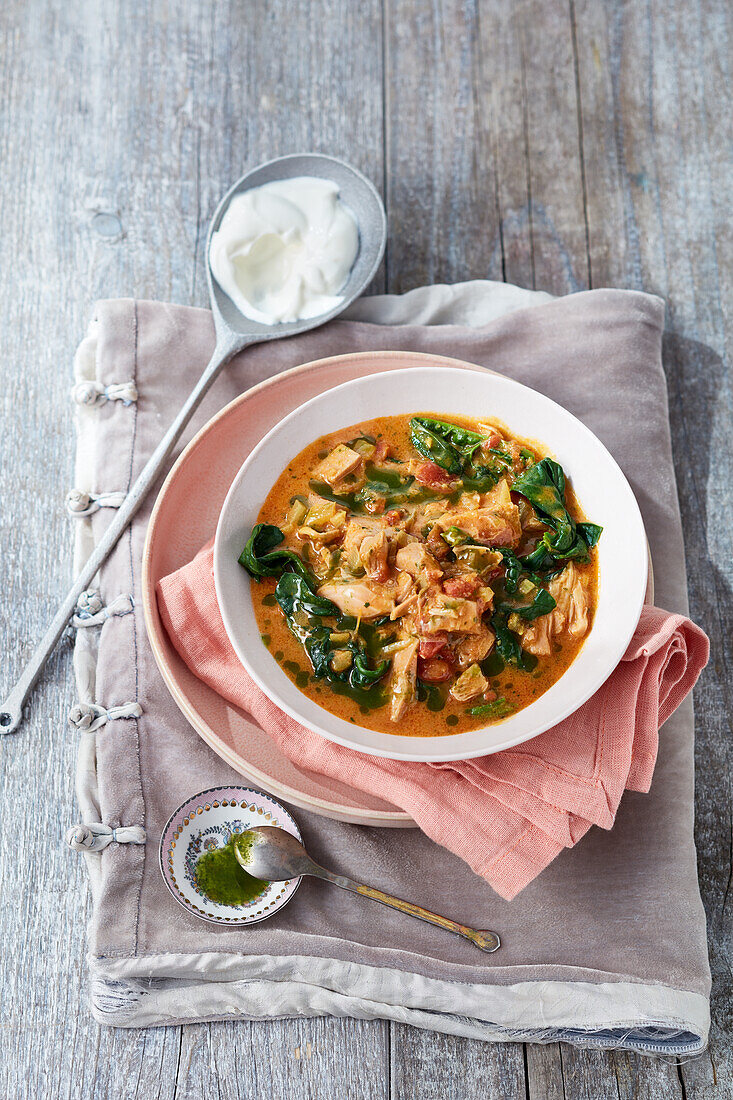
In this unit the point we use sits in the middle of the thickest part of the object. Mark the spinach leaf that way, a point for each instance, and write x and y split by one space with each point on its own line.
513 567
448 445
509 645
318 648
542 602
480 478
347 500
550 562
493 665
391 479
588 533
543 485
301 606
261 558
294 594
361 675
434 447
498 709
462 439
541 561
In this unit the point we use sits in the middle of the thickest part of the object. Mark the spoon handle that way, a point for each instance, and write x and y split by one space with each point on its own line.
11 710
485 940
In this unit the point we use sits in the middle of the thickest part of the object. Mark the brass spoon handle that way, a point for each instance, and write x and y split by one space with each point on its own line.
485 940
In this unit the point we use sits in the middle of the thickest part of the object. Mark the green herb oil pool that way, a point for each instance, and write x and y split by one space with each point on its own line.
223 880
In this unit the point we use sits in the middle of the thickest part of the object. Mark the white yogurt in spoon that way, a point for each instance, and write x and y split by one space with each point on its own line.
283 251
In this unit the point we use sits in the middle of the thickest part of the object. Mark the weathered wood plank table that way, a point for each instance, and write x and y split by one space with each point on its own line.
559 145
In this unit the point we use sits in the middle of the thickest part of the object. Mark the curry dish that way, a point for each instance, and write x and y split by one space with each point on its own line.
422 576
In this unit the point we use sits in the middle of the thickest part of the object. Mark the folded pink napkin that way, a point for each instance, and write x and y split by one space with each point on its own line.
509 814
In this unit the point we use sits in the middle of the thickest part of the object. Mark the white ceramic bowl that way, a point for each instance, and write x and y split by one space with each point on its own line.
604 494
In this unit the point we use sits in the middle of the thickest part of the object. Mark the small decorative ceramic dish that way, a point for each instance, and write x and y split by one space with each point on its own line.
206 824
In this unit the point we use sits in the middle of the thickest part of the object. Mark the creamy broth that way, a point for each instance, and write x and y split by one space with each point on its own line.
394 488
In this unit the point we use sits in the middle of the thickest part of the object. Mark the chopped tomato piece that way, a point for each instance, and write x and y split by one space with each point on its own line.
430 474
393 516
461 586
436 670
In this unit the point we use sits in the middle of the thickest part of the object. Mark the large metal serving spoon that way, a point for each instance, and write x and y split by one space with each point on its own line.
234 333
275 855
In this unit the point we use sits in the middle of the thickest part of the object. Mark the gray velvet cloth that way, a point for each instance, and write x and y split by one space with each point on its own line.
606 947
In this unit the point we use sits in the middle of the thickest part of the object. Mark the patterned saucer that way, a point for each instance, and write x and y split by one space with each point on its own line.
207 821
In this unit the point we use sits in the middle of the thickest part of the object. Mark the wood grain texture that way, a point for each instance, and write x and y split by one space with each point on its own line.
555 144
442 1066
658 161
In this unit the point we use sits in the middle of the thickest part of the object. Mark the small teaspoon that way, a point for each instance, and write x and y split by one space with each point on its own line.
275 855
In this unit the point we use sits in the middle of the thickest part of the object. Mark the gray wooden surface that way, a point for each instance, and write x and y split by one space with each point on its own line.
555 144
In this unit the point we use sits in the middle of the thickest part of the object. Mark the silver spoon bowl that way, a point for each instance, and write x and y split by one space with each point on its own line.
355 192
234 333
275 855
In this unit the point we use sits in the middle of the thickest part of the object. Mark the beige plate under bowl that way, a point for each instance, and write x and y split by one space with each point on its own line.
185 517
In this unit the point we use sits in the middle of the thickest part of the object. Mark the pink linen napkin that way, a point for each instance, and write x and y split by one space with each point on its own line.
507 815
